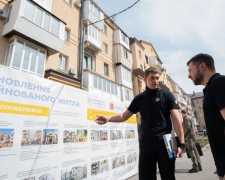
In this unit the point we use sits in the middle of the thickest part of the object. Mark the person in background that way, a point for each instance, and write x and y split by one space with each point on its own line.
156 106
189 134
202 72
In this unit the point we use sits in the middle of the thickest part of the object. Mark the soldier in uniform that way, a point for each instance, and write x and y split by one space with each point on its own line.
189 134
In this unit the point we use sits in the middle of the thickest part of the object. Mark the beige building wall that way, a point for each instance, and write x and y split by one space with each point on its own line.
71 15
198 104
106 58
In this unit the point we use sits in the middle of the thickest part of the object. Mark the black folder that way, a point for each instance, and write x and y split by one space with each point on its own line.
198 148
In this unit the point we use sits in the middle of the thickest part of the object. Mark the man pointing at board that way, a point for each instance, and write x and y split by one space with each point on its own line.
156 106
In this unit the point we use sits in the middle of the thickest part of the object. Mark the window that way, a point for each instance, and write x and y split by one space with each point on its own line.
115 89
106 69
105 29
66 35
55 26
126 53
146 58
95 82
94 9
68 1
46 23
199 107
99 83
9 13
108 87
36 15
112 88
33 60
200 114
29 11
104 85
87 62
126 74
128 95
62 62
141 67
139 54
124 38
94 32
105 48
197 101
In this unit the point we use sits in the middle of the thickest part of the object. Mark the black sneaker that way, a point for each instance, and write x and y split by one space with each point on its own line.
200 168
193 171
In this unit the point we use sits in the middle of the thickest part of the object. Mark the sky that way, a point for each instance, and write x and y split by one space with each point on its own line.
177 29
7 131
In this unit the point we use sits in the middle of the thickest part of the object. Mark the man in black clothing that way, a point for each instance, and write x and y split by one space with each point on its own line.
155 106
202 72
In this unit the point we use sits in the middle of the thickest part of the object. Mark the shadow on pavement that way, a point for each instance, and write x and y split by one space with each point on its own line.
181 171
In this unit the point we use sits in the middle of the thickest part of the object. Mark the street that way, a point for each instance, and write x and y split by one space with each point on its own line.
184 164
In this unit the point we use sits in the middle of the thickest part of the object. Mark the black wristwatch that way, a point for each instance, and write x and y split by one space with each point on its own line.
181 145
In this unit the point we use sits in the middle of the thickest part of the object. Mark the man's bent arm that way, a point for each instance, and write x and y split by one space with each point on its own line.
120 117
177 124
223 114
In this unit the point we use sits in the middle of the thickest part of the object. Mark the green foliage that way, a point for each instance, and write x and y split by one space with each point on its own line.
202 142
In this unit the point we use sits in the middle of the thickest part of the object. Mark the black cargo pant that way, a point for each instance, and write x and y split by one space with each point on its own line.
148 159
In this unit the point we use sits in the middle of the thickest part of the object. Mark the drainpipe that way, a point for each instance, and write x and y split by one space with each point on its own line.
81 44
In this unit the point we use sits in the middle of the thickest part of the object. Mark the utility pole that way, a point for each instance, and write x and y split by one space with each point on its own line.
81 44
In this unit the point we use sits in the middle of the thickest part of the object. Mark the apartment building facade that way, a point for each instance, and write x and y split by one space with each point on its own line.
107 57
197 101
42 38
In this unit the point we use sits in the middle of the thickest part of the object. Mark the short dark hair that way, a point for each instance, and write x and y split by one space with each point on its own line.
203 58
184 111
151 70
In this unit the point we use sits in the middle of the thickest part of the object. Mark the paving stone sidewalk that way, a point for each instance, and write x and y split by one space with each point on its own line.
184 164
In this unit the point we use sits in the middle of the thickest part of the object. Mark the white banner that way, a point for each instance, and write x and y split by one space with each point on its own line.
47 132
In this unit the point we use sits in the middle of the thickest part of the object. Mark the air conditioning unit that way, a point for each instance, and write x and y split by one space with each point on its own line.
78 4
73 71
3 14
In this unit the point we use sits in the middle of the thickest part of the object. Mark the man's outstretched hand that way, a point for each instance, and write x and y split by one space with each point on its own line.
101 120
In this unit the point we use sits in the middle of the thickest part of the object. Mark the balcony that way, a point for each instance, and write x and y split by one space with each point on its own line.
123 56
195 121
188 99
175 88
35 24
183 101
121 38
93 13
154 62
177 96
189 107
92 38
123 76
101 86
179 91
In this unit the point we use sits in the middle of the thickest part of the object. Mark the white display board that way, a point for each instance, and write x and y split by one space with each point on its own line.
47 132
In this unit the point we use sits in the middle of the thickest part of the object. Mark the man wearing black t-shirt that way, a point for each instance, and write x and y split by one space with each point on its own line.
202 72
156 106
